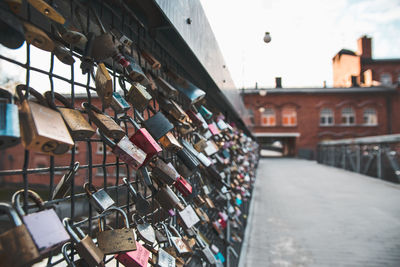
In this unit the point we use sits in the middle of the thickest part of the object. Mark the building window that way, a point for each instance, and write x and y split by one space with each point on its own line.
251 115
122 171
76 149
101 147
386 79
398 79
370 117
99 171
289 117
348 117
268 117
326 117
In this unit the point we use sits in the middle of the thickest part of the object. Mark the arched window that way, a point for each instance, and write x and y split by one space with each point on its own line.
289 117
348 117
268 117
370 116
326 117
386 79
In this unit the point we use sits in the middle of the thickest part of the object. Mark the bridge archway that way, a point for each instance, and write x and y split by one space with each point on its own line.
271 141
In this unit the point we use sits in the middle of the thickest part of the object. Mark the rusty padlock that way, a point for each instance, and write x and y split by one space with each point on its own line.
164 172
78 126
154 63
105 123
125 150
115 240
44 226
100 199
84 245
18 248
42 129
182 247
167 90
104 86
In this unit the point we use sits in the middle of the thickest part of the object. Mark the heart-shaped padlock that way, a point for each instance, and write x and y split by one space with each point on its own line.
144 230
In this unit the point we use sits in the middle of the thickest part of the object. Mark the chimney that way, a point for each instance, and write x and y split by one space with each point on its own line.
278 82
364 47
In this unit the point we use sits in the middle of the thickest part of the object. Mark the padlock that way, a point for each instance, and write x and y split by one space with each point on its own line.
138 97
141 204
211 148
9 121
105 123
173 109
42 129
167 89
142 139
168 199
11 30
76 263
209 202
47 10
183 186
217 253
187 158
115 240
190 93
188 217
104 86
182 247
134 71
15 5
78 126
199 142
161 238
144 230
154 63
87 62
163 172
164 259
205 112
103 45
44 226
135 258
64 185
18 248
100 199
119 104
199 155
126 151
198 200
206 252
158 125
63 54
213 128
84 245
38 38
202 215
196 118
179 261
70 36
170 143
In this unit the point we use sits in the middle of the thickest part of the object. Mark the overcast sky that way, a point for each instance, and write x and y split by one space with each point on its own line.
305 36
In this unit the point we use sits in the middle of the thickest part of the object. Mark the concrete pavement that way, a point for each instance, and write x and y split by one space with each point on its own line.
306 214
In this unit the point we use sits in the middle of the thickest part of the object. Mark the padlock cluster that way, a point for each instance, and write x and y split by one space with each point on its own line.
194 210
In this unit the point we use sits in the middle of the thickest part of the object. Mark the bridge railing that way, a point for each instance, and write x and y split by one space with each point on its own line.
376 156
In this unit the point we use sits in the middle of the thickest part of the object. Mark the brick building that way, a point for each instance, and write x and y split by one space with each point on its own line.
302 117
360 69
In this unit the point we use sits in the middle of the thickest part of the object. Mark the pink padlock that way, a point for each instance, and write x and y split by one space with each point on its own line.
135 258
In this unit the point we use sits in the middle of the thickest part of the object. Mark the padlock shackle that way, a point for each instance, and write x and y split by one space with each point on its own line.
75 236
175 230
16 201
89 108
105 138
36 94
130 188
105 213
89 188
4 93
64 251
58 97
133 122
6 208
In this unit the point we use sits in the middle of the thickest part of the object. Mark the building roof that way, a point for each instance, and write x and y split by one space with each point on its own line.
346 52
341 90
276 134
380 60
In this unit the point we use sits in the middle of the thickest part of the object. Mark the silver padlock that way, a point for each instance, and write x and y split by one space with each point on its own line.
99 198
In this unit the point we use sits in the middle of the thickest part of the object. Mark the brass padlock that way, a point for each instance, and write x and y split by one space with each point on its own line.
9 121
85 246
47 10
199 142
167 89
38 38
78 126
138 97
64 185
105 123
42 129
118 240
100 199
17 246
104 87
169 142
77 263
44 226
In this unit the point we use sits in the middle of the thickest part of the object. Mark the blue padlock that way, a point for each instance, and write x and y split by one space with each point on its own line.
9 121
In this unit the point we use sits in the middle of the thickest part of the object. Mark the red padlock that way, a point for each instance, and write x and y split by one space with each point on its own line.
183 186
135 258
